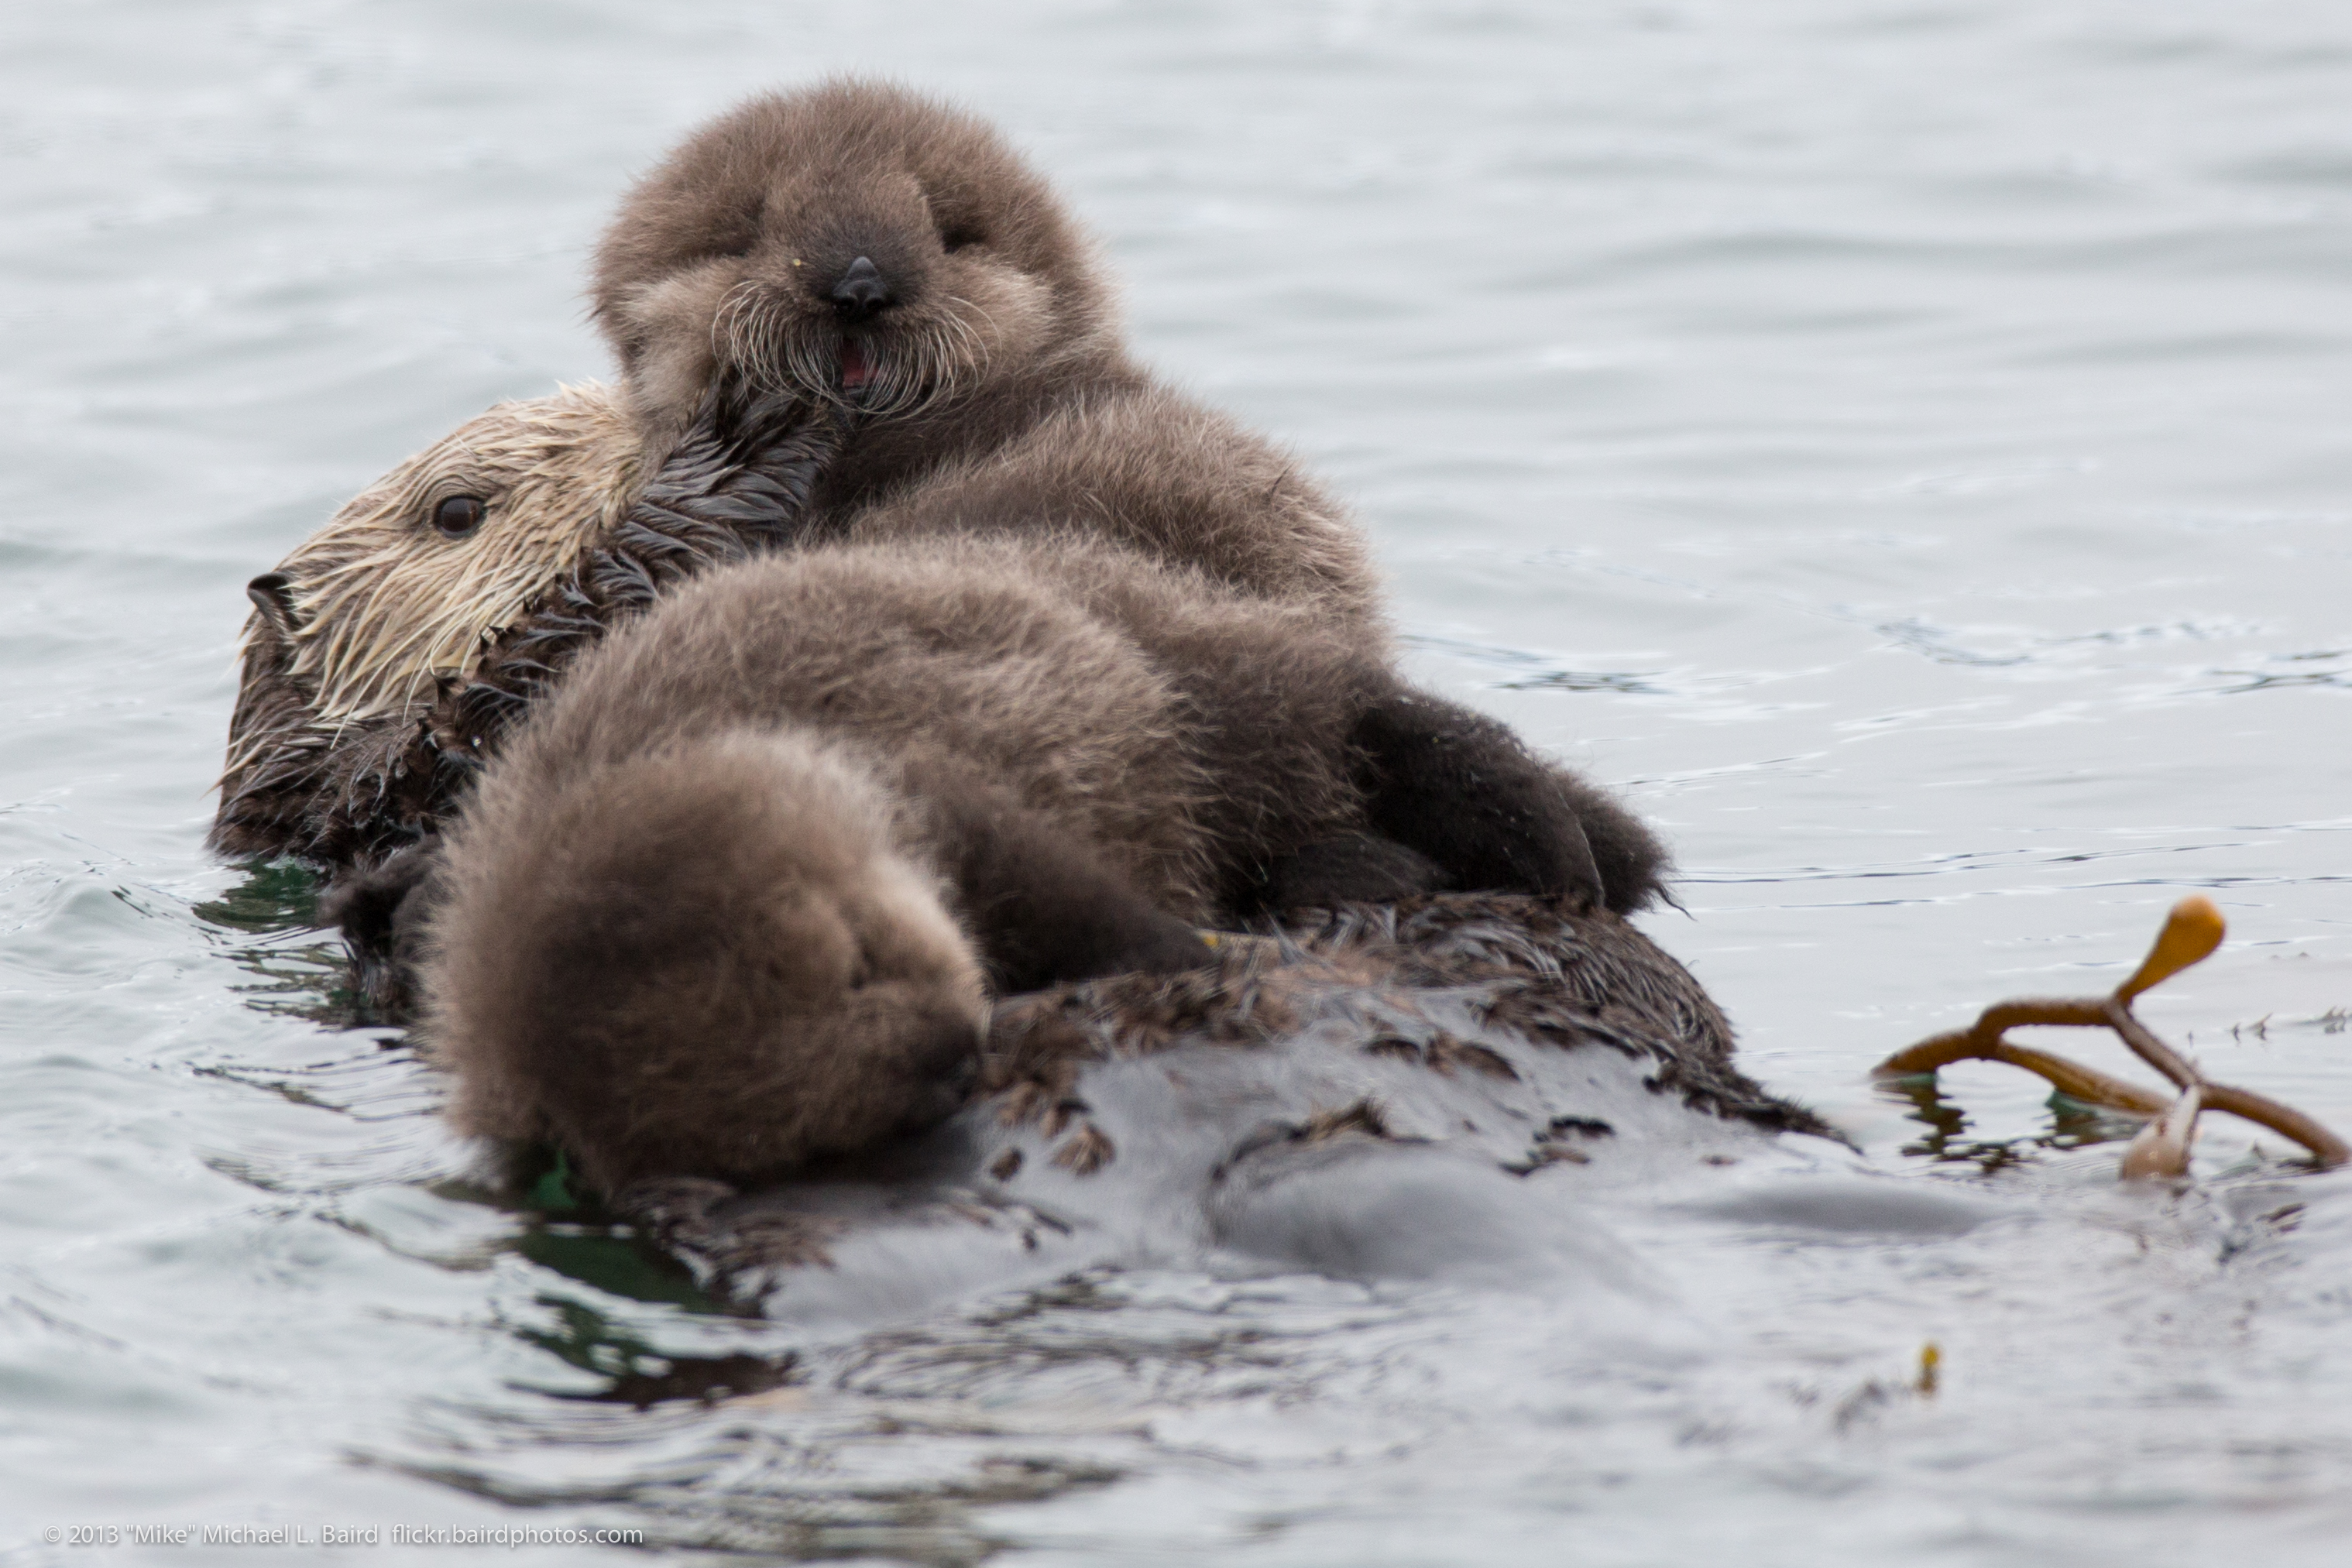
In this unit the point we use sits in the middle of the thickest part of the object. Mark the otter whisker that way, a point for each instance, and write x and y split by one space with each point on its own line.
809 367
898 386
726 330
742 311
981 347
978 311
754 331
773 333
758 335
976 349
924 372
765 333
953 341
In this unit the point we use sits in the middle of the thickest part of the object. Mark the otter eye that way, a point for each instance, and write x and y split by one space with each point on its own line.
458 515
955 236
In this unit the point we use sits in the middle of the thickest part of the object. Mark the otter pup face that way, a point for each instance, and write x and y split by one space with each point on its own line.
853 244
396 594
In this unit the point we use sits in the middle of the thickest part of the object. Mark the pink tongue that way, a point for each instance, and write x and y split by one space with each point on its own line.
856 369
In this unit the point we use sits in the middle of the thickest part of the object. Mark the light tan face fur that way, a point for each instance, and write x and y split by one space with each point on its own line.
385 604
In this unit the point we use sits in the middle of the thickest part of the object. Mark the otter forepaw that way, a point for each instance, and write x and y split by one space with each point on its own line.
1460 788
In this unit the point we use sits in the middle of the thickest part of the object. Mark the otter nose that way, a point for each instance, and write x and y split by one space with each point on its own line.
861 292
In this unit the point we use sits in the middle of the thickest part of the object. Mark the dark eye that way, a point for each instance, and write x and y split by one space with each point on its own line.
458 515
739 235
955 236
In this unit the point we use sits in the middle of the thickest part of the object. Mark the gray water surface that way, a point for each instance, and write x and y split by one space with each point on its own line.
1903 445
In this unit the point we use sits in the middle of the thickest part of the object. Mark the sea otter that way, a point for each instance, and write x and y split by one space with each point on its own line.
387 654
881 253
869 248
1285 1101
969 382
735 894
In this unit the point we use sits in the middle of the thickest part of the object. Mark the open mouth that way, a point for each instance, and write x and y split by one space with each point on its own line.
857 366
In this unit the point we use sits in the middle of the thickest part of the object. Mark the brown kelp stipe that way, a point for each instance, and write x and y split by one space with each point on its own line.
2190 933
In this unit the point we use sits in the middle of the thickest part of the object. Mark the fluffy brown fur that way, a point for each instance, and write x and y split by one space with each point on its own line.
864 246
727 902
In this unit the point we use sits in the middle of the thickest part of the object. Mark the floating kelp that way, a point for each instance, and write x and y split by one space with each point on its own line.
2191 932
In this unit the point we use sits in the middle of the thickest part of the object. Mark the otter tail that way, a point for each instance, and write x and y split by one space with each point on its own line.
714 959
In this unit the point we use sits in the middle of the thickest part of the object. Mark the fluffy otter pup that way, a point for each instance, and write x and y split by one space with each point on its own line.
869 248
735 894
874 251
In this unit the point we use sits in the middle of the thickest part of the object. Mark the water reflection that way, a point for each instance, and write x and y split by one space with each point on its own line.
274 896
2072 1126
303 973
632 1371
613 1257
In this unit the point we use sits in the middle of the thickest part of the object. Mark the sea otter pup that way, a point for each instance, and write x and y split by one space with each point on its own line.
871 249
876 252
734 895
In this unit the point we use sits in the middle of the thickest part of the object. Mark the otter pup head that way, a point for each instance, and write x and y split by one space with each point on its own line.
854 244
714 959
354 634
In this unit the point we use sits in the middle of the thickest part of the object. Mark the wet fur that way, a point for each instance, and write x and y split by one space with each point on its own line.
384 658
1056 1109
355 632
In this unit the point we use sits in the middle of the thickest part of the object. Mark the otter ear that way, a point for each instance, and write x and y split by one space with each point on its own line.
958 223
273 594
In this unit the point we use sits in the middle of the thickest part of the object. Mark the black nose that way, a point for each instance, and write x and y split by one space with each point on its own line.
861 293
